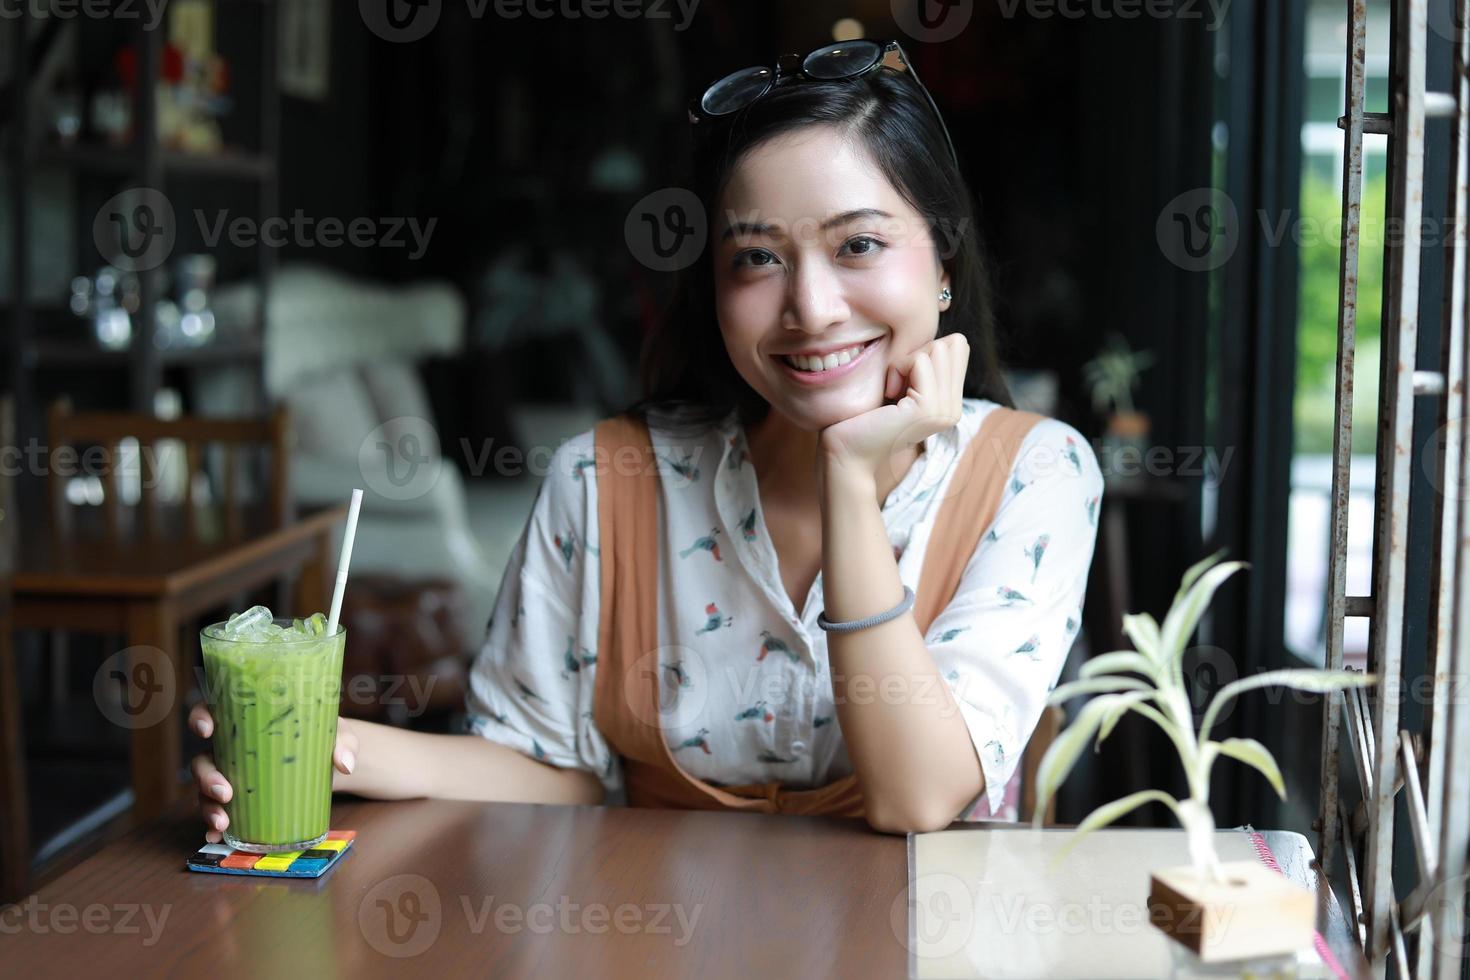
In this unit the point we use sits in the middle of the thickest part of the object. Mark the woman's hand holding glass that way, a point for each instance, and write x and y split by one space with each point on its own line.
215 790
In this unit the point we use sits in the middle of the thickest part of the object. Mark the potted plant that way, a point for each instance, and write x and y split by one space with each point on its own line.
1149 681
1111 376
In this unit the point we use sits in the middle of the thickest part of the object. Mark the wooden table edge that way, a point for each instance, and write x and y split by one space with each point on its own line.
25 584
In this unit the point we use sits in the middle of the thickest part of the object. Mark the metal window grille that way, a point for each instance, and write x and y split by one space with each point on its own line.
1431 768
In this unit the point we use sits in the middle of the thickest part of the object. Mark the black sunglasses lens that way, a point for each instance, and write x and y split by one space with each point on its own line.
842 59
736 91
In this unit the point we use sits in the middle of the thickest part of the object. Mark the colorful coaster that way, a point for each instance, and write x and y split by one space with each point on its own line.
225 860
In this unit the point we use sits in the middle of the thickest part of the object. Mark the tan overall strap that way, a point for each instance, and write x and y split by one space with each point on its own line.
971 498
626 695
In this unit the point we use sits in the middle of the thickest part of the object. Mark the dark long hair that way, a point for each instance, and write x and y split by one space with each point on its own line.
684 364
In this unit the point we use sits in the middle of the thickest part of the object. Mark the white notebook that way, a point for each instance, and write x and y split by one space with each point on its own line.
986 902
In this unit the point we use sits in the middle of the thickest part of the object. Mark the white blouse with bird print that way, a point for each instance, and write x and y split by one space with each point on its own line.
747 673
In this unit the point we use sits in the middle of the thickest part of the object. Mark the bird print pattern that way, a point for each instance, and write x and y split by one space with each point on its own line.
757 711
1036 552
705 543
771 642
713 619
754 671
1010 596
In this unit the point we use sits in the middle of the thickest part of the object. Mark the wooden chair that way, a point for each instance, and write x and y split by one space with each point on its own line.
96 442
106 432
15 851
1052 718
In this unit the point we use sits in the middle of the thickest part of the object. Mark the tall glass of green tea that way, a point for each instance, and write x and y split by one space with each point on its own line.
274 689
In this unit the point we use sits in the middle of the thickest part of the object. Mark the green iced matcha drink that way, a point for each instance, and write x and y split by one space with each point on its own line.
274 691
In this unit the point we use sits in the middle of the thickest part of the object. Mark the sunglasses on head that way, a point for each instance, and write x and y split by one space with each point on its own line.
845 59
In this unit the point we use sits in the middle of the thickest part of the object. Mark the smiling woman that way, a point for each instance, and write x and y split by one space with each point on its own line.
831 432
842 574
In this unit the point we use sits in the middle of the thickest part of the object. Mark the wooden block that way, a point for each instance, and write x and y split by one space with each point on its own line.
1254 912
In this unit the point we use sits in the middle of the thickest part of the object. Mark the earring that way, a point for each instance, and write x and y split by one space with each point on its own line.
945 295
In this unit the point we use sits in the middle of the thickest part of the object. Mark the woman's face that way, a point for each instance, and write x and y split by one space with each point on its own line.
815 251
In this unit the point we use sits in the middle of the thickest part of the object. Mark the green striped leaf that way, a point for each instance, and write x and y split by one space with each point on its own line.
1314 681
1253 754
1070 743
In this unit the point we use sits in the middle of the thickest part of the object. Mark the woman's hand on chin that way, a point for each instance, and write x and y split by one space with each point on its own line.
931 381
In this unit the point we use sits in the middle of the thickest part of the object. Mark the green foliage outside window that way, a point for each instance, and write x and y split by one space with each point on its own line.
1321 206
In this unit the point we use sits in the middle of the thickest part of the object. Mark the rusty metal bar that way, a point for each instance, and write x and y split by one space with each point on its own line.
1342 437
1447 909
1358 742
1412 908
1428 382
1378 123
1365 718
1424 951
1394 452
1449 514
1449 734
1355 891
1396 936
1439 105
1385 757
1425 847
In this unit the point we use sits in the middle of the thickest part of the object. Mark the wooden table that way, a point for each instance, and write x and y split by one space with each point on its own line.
144 586
586 891
448 889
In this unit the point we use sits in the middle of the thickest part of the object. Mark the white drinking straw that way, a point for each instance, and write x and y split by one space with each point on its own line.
344 561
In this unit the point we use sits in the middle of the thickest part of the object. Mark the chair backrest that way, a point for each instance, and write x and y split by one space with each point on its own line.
1052 717
319 320
107 433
